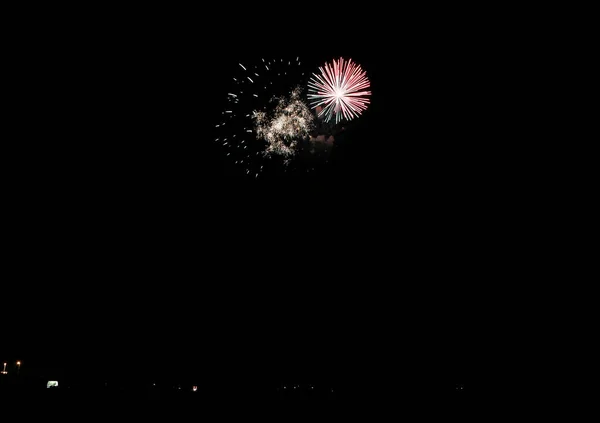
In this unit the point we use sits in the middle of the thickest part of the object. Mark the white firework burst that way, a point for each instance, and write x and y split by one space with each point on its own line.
290 122
264 114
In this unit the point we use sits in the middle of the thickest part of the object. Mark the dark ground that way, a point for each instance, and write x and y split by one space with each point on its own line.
149 404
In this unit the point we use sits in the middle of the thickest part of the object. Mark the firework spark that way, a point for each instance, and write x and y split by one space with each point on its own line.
340 90
264 121
290 121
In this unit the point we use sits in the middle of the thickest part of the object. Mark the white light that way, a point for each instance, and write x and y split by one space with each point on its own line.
52 384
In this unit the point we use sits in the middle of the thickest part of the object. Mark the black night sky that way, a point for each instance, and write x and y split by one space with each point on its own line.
136 252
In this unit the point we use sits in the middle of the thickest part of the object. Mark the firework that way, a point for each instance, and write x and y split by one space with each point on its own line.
340 90
290 121
265 116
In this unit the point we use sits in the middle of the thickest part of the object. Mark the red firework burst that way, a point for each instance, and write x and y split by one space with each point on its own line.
340 90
